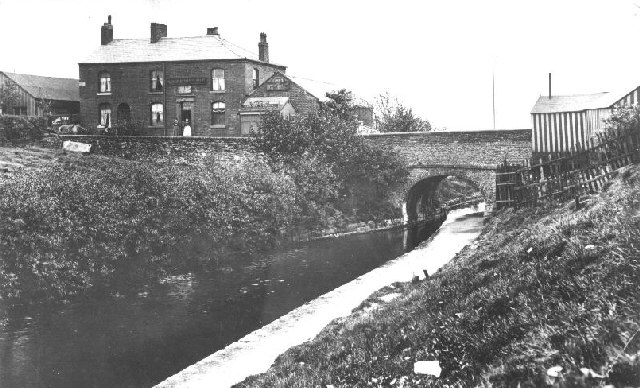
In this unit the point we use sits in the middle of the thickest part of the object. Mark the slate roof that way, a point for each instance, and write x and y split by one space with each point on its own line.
63 89
169 49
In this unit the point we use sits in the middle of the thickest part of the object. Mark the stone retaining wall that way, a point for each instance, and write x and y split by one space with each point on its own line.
458 148
153 147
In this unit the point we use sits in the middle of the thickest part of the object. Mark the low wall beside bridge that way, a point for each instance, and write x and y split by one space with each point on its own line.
430 156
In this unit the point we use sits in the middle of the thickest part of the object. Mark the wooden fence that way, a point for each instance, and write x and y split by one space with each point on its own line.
566 176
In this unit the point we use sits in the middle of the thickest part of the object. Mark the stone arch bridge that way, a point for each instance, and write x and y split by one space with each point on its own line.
431 156
470 155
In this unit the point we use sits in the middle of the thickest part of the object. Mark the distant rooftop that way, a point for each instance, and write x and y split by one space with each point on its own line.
63 89
319 89
169 49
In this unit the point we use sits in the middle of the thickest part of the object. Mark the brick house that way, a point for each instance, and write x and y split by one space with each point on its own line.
155 81
278 93
40 96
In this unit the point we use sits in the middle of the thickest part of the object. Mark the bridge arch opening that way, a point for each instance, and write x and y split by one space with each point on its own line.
428 193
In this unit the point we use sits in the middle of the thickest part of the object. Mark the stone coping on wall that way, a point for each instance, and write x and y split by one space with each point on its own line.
472 166
445 133
156 138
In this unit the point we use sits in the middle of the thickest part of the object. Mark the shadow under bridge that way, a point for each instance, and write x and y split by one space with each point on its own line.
424 180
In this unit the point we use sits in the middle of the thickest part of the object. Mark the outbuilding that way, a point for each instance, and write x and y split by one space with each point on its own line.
40 96
563 122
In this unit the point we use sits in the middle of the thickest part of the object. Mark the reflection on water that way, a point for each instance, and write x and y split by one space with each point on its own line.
154 331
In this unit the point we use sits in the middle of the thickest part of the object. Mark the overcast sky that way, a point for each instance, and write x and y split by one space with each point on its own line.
436 56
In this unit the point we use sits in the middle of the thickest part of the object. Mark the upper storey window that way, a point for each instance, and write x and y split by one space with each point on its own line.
256 78
105 82
157 81
217 79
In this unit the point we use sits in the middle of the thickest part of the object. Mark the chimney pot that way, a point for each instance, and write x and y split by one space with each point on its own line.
212 31
158 31
263 48
106 32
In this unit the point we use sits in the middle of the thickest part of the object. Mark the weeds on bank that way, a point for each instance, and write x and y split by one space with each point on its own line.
547 287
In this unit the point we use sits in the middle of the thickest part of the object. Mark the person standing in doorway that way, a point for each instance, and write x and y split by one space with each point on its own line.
176 128
187 129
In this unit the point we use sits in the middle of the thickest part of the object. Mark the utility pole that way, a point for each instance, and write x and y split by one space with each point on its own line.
493 85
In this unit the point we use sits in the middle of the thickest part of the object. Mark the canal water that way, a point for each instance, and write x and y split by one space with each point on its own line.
140 339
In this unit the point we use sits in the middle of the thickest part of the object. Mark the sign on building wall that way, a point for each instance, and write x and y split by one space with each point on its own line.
278 83
182 81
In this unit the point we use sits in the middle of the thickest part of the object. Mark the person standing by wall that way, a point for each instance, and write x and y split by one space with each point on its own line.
176 128
187 129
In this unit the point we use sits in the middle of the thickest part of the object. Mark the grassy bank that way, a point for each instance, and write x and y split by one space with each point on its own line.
73 223
541 288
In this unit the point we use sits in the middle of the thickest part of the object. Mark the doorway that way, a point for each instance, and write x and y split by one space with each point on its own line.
185 110
124 113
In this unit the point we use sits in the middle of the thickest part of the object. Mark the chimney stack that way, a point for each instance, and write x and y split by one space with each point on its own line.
263 48
213 31
549 85
158 31
106 33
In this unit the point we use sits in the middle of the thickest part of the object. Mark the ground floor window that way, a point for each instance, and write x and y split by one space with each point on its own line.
249 123
157 114
124 113
105 115
218 113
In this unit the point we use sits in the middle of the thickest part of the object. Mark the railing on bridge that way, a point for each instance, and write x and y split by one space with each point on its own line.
566 176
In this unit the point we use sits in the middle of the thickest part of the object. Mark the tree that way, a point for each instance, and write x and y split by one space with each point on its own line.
9 95
625 119
336 169
45 106
340 104
393 116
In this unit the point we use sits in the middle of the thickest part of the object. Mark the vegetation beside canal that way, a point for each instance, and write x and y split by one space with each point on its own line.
69 224
544 297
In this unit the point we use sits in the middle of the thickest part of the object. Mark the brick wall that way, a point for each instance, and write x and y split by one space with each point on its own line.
458 148
131 84
301 100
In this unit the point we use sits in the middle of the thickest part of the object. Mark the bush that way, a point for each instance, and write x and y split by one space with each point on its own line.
338 172
84 224
125 128
22 128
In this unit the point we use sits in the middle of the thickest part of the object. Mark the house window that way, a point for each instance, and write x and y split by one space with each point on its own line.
105 82
157 114
157 81
217 113
105 115
256 78
217 80
184 89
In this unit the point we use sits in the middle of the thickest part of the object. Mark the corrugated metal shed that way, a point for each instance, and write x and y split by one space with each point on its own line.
563 122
